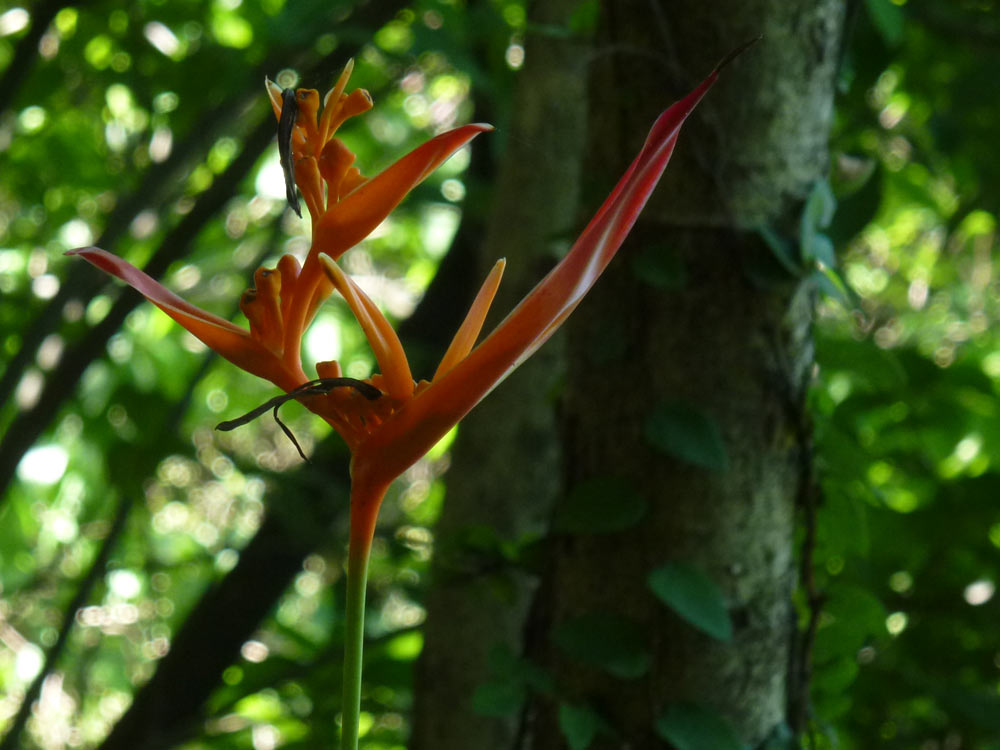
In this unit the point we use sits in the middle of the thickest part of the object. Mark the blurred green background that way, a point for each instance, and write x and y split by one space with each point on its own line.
143 127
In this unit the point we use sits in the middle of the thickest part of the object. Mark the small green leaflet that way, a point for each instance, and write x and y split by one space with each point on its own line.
888 19
498 699
690 726
816 216
600 505
694 596
660 267
580 724
687 433
607 640
510 679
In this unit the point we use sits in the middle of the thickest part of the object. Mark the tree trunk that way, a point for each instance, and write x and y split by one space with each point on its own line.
505 465
684 335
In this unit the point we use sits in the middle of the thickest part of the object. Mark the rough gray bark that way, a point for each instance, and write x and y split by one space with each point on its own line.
723 342
505 466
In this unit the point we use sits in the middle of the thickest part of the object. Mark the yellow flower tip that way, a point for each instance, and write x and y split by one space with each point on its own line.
274 94
468 332
330 369
340 85
338 106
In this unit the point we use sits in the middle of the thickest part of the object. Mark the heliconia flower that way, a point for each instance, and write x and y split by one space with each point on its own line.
388 434
388 421
345 208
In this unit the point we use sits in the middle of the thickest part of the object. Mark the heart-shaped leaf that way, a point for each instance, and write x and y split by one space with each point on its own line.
600 505
687 433
606 640
691 726
694 596
580 724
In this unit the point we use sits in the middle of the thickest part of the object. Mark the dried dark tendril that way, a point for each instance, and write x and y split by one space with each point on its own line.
286 126
319 387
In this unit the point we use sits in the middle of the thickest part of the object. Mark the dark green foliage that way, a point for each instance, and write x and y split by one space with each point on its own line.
660 267
607 640
694 596
580 724
689 726
683 431
511 680
600 505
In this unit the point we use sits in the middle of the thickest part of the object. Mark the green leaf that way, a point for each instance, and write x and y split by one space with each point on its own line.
843 518
816 216
852 614
888 19
819 248
659 266
783 250
833 284
879 370
694 596
690 726
857 209
820 207
505 666
607 640
600 505
580 724
609 342
498 699
687 433
832 706
781 738
583 20
836 676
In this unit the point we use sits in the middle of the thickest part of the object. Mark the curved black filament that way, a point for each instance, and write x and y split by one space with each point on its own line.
318 387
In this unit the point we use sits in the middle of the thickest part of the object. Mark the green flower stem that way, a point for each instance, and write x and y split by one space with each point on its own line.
364 510
354 639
